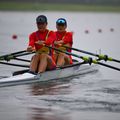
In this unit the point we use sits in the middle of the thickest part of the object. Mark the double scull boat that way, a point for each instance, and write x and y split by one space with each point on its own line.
75 69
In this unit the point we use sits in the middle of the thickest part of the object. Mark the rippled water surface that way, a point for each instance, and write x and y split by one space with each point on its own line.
91 96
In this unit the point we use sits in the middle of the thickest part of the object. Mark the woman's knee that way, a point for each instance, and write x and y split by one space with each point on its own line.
43 55
35 57
67 60
61 55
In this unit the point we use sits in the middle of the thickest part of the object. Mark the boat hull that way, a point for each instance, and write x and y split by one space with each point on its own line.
59 73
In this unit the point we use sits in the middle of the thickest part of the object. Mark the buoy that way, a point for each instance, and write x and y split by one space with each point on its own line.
86 31
14 36
99 30
111 29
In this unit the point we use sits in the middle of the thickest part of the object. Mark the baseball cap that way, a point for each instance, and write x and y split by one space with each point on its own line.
41 19
61 21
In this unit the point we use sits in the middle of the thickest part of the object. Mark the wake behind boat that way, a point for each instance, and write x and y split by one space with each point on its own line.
67 71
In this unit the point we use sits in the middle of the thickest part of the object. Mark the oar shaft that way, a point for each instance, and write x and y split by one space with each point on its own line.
24 60
109 66
18 52
116 60
15 53
22 54
86 60
78 50
12 64
64 52
102 57
7 57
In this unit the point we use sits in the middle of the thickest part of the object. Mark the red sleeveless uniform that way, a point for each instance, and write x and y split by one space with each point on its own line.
67 38
48 37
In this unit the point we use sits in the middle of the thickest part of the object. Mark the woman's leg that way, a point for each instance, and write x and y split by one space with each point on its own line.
43 63
67 59
63 59
34 63
50 63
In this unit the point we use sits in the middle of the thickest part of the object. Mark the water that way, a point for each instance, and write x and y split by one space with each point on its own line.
93 96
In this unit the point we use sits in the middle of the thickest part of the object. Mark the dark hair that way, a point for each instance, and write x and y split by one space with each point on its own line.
41 19
61 21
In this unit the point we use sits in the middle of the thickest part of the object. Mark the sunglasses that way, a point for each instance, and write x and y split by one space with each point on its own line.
61 21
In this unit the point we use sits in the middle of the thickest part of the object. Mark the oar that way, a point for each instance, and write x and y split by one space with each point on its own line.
86 59
5 57
100 56
24 60
22 54
14 56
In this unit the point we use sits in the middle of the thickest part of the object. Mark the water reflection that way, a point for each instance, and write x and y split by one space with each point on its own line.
51 88
47 114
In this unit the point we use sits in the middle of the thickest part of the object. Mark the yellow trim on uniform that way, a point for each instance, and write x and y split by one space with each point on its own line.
44 49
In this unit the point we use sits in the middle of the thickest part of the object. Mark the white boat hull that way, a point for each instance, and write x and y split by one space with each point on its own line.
48 75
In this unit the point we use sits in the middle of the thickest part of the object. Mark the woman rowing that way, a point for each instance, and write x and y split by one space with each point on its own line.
63 38
43 59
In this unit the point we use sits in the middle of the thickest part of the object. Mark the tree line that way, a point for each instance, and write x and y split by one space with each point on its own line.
88 2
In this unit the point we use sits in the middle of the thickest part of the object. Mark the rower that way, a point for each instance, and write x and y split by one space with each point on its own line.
43 59
65 38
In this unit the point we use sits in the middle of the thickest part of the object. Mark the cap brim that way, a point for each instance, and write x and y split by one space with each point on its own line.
41 22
